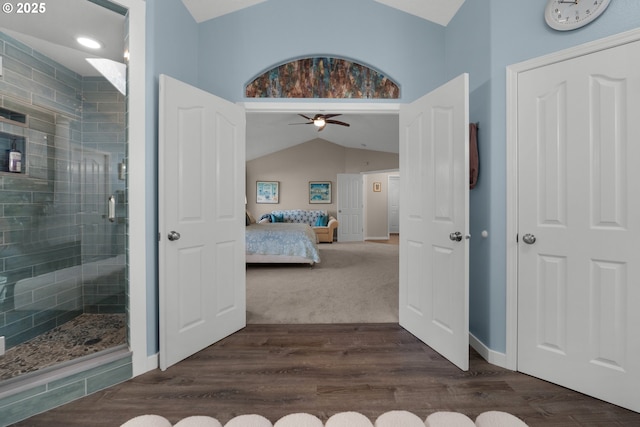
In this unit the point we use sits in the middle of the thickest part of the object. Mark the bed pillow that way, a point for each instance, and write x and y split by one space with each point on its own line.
322 221
277 218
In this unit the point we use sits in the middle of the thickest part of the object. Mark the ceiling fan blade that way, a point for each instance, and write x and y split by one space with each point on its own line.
336 122
328 116
308 118
309 123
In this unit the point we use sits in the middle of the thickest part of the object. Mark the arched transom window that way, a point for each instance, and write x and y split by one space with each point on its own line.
322 77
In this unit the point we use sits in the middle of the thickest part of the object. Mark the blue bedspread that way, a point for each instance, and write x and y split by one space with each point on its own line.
277 238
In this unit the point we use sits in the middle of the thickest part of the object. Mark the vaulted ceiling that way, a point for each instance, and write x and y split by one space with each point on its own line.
438 11
53 34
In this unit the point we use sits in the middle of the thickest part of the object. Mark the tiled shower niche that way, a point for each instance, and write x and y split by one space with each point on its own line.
7 143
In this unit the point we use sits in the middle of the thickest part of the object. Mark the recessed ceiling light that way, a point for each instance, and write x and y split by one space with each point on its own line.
89 42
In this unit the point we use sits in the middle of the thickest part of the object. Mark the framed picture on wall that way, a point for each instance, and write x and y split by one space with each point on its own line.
267 191
320 192
377 187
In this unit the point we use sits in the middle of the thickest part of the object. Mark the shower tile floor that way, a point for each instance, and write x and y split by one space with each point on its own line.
84 335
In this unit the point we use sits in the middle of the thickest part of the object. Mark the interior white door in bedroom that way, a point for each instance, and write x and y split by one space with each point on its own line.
201 219
579 224
350 210
434 219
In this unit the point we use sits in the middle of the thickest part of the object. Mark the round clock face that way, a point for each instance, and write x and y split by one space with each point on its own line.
566 15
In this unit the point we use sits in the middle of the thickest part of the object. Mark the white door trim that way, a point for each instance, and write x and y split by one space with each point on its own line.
307 107
512 171
139 247
391 178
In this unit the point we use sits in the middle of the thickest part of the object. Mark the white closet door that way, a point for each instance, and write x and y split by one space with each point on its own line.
579 224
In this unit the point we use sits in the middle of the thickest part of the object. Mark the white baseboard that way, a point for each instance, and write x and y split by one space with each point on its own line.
491 356
152 362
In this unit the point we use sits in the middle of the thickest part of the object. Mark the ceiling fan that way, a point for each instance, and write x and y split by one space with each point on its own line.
321 120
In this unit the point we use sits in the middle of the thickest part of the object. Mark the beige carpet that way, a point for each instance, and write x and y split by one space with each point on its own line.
353 283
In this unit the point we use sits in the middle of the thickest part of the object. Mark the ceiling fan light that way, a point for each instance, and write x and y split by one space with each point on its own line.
319 122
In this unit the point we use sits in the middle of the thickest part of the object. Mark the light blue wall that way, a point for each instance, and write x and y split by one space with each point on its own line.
172 38
468 47
235 48
483 39
223 54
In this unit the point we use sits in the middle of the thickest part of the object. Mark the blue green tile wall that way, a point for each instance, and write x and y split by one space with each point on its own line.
47 395
69 116
59 255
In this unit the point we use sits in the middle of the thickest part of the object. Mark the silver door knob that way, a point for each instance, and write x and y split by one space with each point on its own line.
529 239
173 235
456 237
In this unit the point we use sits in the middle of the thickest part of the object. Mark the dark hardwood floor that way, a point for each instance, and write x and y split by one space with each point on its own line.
274 370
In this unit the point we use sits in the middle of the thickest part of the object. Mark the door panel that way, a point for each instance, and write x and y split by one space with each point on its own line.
578 282
350 215
201 197
434 189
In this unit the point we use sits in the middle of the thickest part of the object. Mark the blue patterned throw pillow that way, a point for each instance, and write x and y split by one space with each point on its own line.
322 221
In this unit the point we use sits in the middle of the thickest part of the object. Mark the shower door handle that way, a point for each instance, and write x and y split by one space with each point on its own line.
112 208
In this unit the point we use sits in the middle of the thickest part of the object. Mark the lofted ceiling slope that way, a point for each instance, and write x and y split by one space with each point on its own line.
438 11
268 132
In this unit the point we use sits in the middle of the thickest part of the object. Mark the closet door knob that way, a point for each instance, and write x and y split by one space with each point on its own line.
456 237
173 236
529 239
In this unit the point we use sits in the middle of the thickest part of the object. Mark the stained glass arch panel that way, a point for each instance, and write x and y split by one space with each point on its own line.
322 77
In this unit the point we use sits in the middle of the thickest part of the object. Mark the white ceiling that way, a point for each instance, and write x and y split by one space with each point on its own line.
54 32
203 10
268 132
438 11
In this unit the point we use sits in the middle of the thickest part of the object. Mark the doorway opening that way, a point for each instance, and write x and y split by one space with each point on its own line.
292 285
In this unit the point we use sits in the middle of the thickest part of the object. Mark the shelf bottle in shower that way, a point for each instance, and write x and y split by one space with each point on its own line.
15 158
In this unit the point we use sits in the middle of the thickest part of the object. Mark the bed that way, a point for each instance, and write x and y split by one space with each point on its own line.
281 243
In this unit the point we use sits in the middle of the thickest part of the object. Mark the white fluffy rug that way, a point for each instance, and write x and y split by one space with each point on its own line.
341 419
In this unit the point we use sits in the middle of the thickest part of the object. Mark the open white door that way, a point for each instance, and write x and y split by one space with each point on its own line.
201 219
434 219
350 211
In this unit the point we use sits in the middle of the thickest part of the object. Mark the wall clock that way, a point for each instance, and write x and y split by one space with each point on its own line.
564 15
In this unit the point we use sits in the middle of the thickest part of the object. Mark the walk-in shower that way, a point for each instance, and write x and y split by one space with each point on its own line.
63 211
